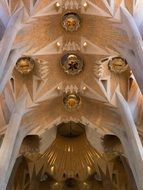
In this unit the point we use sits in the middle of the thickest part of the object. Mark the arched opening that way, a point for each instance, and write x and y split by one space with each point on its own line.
113 145
30 144
71 129
20 178
71 163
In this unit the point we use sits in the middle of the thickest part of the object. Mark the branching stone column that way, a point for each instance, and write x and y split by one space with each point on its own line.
132 51
11 143
131 142
8 58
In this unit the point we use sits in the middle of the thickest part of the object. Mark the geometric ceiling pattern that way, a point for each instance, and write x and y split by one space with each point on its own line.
83 64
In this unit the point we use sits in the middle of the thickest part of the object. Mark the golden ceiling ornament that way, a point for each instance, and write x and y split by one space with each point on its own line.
25 65
118 65
72 101
72 63
71 22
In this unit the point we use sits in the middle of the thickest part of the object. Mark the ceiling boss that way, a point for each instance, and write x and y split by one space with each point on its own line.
25 65
72 101
72 64
118 65
71 22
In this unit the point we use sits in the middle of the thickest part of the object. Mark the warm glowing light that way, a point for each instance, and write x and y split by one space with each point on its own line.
57 5
84 88
58 44
85 5
58 88
85 44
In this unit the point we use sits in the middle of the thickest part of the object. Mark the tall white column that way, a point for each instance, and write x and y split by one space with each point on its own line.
11 143
131 141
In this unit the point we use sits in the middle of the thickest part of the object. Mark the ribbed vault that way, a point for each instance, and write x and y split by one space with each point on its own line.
71 99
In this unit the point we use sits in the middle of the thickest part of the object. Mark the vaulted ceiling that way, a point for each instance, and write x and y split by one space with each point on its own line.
71 88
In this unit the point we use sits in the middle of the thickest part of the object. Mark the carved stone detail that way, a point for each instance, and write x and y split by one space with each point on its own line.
71 101
25 65
71 22
71 5
98 70
72 64
71 46
118 65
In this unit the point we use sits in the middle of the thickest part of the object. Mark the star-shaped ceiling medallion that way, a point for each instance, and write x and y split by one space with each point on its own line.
72 64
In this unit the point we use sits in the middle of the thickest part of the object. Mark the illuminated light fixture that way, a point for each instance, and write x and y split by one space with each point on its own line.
57 5
85 44
84 183
69 149
89 170
84 88
56 185
118 65
71 22
58 44
52 170
85 5
58 88
72 64
25 65
72 101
